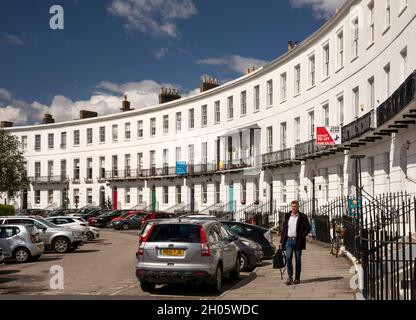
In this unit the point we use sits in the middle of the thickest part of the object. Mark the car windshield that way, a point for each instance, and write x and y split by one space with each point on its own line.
47 223
175 233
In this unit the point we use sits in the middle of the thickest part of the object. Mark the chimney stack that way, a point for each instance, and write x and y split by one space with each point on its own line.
291 45
208 83
251 69
6 124
167 95
84 114
47 119
125 105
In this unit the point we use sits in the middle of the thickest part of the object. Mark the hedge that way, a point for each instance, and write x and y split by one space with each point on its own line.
6 210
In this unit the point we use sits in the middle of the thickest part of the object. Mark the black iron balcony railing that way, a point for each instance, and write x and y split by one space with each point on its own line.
49 180
276 157
308 149
359 127
398 101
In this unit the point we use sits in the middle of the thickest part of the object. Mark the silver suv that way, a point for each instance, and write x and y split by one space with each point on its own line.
21 243
190 251
58 239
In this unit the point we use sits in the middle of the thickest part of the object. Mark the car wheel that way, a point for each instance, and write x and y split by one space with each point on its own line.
217 285
235 274
125 226
147 286
90 236
21 255
61 245
243 262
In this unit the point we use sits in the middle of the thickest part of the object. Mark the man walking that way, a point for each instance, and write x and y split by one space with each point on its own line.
293 240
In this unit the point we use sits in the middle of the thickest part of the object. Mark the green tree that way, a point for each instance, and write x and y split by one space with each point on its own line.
12 177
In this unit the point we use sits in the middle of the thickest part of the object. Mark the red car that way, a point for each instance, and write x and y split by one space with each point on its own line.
124 215
156 216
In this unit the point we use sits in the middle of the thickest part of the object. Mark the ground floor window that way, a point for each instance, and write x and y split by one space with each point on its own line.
243 191
50 197
76 197
140 195
217 193
89 196
204 193
37 196
127 193
165 195
178 194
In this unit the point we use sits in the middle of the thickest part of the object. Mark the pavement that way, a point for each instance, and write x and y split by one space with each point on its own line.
105 269
324 277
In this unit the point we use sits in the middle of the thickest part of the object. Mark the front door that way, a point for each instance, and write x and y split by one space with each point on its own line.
231 197
115 198
154 199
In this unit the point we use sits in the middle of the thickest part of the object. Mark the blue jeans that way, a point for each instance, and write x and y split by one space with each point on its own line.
290 247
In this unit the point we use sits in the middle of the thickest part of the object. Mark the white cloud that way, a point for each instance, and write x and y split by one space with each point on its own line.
154 17
141 94
322 9
234 62
161 53
15 40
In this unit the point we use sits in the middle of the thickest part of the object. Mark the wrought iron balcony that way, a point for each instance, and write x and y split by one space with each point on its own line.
308 149
398 101
276 158
49 180
359 127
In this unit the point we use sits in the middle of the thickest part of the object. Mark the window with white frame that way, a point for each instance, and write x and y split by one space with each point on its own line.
140 161
37 170
191 154
76 137
76 197
256 98
89 196
191 118
165 157
152 127
102 134
283 136
325 115
115 132
371 22
403 73
178 121
63 168
243 191
326 61
37 197
140 129
204 116
50 168
243 96
140 195
51 141
127 165
152 159
283 86
89 169
230 107
204 193
165 194
217 111
297 80
178 194
340 103
166 124
356 101
50 197
387 85
63 140
217 192
270 93
311 115
388 15
355 38
37 142
269 139
371 176
76 169
371 94
204 153
297 130
340 47
102 168
127 195
178 154
312 70
114 165
127 131
89 136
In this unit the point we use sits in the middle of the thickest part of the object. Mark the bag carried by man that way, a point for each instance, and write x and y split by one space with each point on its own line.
279 261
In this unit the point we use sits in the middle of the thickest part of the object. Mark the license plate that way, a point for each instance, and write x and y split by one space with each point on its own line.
173 252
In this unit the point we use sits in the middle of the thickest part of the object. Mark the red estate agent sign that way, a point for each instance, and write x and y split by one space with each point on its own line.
328 136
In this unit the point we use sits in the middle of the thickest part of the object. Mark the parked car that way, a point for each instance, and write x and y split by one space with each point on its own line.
62 212
125 215
157 216
133 221
93 233
258 234
33 212
55 238
104 220
86 214
186 252
199 217
72 223
21 243
2 259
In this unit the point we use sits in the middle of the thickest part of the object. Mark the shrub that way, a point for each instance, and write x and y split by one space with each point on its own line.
6 210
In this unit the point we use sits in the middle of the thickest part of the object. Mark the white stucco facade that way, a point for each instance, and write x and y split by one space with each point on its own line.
341 68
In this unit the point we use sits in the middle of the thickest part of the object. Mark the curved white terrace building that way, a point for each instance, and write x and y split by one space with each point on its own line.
251 140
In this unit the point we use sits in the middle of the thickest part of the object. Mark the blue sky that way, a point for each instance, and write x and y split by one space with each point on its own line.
112 47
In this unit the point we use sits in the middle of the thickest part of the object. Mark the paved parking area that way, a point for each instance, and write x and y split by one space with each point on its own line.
106 268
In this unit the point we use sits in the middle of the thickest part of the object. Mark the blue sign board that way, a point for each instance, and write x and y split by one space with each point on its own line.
353 207
181 168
